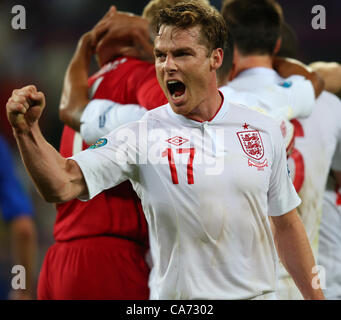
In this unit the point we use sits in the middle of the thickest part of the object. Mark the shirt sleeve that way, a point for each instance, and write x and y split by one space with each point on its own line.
13 200
111 160
301 96
282 196
101 116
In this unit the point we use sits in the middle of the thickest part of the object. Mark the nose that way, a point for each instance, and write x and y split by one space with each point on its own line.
169 64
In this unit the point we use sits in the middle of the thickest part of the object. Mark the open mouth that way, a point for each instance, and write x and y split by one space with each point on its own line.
176 88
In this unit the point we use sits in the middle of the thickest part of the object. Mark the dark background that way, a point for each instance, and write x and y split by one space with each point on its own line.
39 55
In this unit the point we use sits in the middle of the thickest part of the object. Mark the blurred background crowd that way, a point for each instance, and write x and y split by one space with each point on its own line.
40 54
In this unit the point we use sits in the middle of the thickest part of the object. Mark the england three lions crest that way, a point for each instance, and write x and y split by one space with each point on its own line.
252 144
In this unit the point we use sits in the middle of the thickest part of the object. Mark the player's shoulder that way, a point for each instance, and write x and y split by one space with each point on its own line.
260 121
291 80
330 104
246 112
246 98
157 113
329 98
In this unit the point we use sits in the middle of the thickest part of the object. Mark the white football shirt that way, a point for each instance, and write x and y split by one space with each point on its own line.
329 253
207 190
287 98
316 143
256 101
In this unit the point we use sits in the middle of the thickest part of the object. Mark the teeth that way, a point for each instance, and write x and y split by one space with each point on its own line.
175 96
176 88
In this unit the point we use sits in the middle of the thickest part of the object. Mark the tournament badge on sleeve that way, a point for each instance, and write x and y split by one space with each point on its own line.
252 145
99 143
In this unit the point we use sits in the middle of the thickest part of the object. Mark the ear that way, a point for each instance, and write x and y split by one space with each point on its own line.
277 46
216 58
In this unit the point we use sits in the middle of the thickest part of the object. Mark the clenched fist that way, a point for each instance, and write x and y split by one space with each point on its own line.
24 108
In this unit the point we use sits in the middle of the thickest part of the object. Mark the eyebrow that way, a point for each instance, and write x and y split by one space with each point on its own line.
176 51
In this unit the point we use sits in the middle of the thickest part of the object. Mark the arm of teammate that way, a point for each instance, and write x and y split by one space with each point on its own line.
330 72
102 116
56 178
295 253
24 248
74 96
287 67
123 34
75 90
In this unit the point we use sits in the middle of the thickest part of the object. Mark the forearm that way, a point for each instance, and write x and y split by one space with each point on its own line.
75 90
55 177
24 244
288 67
296 255
330 73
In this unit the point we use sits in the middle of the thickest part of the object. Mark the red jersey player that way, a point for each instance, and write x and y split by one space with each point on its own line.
100 244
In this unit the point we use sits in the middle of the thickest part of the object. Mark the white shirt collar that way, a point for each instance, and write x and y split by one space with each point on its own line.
257 71
219 115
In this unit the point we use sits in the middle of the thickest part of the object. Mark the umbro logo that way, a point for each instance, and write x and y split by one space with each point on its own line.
177 141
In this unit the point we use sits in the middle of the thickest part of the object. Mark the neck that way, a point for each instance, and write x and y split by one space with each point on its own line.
256 61
208 108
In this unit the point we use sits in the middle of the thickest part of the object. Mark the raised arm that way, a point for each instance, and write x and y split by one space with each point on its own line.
295 252
75 95
122 34
75 89
116 34
56 178
287 67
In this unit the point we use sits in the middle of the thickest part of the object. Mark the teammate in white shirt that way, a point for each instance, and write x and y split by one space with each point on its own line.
209 173
329 250
316 140
318 133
